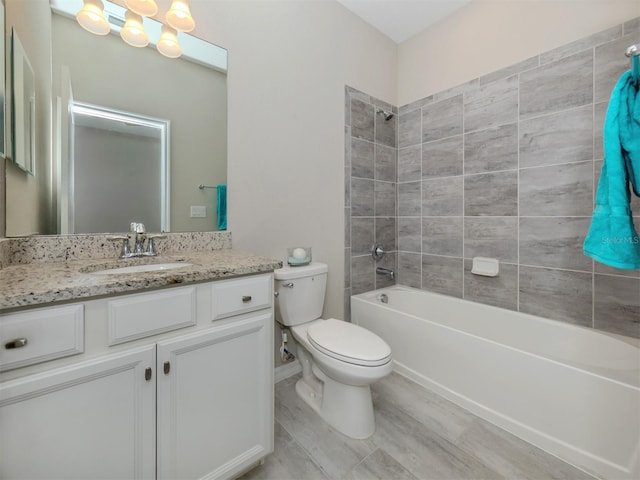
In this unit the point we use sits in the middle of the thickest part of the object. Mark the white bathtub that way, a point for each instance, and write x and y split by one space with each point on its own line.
572 391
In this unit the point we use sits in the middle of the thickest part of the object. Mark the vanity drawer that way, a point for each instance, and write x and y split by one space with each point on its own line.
146 314
233 297
40 335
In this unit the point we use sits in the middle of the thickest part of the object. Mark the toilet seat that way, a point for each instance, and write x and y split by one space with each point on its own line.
349 343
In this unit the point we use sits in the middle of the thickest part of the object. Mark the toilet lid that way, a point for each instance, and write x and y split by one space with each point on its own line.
349 343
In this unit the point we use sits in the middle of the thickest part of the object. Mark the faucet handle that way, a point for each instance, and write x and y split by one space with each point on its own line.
151 246
126 249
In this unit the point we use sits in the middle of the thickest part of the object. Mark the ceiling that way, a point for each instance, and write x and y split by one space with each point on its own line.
401 19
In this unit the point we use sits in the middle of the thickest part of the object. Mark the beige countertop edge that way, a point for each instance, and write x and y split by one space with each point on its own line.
38 284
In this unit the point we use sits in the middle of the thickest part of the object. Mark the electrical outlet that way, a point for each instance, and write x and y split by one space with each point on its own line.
198 211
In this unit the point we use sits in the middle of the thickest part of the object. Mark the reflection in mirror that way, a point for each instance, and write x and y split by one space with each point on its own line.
119 168
103 70
24 107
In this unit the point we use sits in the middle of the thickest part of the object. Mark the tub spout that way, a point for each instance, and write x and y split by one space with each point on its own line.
385 271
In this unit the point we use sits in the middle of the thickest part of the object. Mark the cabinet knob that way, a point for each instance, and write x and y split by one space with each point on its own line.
246 298
147 374
17 343
166 368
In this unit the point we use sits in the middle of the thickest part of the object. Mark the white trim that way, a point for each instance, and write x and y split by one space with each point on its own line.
287 370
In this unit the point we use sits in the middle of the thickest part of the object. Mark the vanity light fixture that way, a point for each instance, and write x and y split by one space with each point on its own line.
133 32
91 17
168 44
179 16
146 8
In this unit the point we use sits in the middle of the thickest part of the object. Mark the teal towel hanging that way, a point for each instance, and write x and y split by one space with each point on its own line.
612 238
221 208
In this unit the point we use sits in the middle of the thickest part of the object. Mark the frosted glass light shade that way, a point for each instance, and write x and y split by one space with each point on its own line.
91 17
179 16
168 44
133 32
146 8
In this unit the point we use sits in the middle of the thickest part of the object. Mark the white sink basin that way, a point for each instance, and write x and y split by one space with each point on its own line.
154 267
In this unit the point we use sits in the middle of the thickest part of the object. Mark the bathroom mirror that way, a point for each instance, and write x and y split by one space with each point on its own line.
23 99
103 70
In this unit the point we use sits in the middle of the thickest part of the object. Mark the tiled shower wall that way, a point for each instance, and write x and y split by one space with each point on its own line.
504 166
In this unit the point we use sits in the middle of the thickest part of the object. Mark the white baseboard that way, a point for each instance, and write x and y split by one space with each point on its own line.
287 370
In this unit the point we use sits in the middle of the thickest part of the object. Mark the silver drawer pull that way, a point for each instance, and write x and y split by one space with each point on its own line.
17 343
246 298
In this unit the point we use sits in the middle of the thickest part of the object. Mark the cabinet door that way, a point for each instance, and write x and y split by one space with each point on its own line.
95 419
215 400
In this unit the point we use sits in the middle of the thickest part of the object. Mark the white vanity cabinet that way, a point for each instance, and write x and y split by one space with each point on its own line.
95 419
190 403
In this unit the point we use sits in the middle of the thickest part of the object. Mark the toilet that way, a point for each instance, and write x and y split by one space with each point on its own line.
339 360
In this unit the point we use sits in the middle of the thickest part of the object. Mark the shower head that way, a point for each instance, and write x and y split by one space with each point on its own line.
385 114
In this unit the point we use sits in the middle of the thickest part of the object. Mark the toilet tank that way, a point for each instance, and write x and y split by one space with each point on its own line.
300 293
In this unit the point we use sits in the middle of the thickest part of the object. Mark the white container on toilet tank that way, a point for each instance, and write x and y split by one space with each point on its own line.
339 360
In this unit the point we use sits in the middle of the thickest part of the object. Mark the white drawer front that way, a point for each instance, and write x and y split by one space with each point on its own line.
233 297
39 335
146 314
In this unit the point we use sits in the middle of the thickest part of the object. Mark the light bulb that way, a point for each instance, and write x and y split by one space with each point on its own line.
133 32
179 16
146 8
91 17
168 44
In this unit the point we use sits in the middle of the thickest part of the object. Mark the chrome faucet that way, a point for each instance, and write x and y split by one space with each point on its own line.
385 271
137 229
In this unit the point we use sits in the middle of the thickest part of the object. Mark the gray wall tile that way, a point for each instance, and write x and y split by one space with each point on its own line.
554 242
610 63
599 114
361 197
362 158
362 123
442 275
347 268
617 305
362 235
562 137
409 234
409 199
556 294
386 233
557 86
385 199
442 158
491 149
442 119
491 105
418 104
362 274
385 163
347 227
565 190
442 197
386 129
409 269
500 291
469 86
494 237
491 194
442 236
409 163
582 44
519 67
409 129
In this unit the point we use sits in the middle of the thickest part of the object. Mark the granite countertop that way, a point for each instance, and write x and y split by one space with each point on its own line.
38 284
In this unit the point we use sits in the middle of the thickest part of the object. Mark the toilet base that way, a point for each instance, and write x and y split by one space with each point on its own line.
347 408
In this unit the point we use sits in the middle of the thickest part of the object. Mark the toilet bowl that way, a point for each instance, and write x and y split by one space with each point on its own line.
339 360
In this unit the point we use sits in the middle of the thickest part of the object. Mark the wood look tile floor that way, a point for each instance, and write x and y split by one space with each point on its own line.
419 435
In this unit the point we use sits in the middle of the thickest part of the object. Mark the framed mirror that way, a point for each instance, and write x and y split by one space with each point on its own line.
3 130
24 107
73 64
